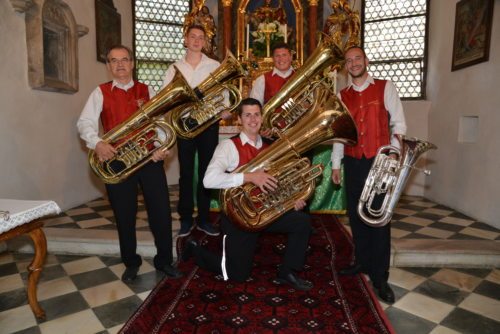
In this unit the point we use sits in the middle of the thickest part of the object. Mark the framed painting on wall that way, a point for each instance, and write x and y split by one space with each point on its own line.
471 42
108 27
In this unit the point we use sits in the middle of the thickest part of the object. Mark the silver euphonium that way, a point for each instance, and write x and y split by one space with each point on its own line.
387 178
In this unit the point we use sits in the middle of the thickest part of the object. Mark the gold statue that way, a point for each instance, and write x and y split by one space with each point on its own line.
343 24
200 15
267 14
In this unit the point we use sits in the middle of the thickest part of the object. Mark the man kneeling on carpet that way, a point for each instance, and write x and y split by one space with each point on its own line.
236 259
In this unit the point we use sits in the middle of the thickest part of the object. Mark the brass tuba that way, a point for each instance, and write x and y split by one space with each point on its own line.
193 118
296 96
144 132
387 178
253 210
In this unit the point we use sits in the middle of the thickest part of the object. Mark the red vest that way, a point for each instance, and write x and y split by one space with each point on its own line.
247 152
371 118
118 104
273 84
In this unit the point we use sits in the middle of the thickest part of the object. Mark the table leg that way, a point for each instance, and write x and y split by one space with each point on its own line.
35 269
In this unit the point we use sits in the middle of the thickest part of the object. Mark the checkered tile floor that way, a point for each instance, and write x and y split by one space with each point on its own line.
414 218
84 294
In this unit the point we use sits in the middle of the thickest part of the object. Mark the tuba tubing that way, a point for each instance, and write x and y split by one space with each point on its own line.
388 178
129 137
251 210
191 119
300 86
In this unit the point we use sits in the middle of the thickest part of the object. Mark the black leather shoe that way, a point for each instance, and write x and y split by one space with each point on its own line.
352 270
188 250
295 281
385 293
170 271
130 274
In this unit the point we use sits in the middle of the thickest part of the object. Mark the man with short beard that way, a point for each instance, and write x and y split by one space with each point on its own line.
377 110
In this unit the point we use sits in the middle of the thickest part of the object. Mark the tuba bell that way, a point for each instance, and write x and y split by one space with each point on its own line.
387 178
252 210
193 118
144 132
295 98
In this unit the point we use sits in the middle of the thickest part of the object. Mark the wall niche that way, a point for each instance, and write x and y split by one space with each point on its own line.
52 43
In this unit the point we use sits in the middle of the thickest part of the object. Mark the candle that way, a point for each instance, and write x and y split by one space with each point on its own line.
286 32
248 40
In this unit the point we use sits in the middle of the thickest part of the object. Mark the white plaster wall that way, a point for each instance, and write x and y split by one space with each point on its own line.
417 117
465 176
41 155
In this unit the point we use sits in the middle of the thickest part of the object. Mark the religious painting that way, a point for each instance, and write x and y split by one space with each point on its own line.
269 22
263 23
108 27
471 43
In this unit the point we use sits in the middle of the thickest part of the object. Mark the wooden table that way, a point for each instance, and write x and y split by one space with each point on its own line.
23 218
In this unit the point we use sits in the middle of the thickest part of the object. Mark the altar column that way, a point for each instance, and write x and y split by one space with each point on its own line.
226 37
313 24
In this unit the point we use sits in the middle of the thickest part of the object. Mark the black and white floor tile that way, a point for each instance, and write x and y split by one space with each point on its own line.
84 294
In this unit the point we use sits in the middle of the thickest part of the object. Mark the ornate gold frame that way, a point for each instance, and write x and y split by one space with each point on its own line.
299 19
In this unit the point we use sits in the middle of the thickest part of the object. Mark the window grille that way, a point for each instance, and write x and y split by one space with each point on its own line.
395 41
158 38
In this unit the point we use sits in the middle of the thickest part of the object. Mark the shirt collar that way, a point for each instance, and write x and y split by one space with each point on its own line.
203 58
369 81
125 87
244 140
282 74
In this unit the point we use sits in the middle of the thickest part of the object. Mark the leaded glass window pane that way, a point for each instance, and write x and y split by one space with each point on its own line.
395 42
158 37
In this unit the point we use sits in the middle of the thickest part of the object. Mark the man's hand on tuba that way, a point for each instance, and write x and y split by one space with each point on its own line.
104 151
262 180
300 204
160 155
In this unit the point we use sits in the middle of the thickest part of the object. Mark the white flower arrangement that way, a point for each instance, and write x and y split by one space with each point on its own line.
277 34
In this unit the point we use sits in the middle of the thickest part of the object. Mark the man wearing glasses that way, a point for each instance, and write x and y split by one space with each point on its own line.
112 103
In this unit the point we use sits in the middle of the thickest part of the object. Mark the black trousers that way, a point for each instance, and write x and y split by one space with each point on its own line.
205 143
123 198
372 244
240 246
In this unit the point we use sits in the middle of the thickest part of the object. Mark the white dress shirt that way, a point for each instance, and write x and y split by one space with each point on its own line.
193 76
88 123
259 85
225 160
392 103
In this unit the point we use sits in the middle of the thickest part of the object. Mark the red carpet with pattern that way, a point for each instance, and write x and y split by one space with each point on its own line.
203 302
